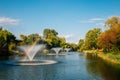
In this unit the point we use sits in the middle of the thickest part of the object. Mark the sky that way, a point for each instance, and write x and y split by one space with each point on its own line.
70 18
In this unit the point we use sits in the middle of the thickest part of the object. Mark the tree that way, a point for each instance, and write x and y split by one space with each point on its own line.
73 46
110 39
33 38
107 39
49 32
81 42
30 39
91 38
114 25
81 45
51 38
112 22
6 38
62 42
53 41
24 39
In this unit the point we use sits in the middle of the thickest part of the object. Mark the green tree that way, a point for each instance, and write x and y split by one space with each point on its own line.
33 38
6 38
62 42
24 39
91 38
51 38
73 46
81 42
30 39
81 45
49 32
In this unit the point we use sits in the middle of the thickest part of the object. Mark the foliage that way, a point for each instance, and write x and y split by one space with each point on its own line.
73 46
91 38
33 38
52 40
12 46
30 39
107 40
24 39
7 39
81 44
110 39
49 32
63 43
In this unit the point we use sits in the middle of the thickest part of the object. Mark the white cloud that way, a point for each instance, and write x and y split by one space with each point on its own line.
92 20
97 19
8 21
71 38
86 21
67 36
99 24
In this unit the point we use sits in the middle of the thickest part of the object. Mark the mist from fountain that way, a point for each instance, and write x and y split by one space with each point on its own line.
67 49
56 50
31 50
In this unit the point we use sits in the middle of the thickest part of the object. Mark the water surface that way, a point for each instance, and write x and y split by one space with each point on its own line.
70 67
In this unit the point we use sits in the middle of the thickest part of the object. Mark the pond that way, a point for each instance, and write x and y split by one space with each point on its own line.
73 66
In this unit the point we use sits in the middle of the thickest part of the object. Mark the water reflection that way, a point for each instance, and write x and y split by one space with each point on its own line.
70 67
98 67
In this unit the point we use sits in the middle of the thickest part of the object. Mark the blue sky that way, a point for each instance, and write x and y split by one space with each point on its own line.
70 18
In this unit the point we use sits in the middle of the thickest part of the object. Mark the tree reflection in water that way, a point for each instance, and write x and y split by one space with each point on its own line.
98 67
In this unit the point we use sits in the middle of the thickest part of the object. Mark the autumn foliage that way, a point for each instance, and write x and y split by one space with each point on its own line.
110 39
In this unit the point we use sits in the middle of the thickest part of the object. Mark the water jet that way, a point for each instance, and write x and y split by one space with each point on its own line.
30 51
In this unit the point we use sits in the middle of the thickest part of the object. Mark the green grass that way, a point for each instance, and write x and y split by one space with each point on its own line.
111 57
114 57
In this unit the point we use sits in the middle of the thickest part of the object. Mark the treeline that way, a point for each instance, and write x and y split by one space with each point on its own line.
8 41
107 41
50 38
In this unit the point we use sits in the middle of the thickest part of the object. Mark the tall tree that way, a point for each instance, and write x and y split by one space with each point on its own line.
73 46
6 38
24 39
49 32
33 38
81 44
107 39
110 39
91 38
30 39
51 38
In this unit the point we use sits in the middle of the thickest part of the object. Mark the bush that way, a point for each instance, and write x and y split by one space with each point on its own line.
12 46
45 51
114 50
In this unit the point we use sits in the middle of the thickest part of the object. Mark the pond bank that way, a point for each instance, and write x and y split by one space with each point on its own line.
109 57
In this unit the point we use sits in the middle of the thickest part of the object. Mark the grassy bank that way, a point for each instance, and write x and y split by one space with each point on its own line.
112 58
109 57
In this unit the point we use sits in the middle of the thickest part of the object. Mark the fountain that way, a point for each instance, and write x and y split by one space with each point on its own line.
67 49
31 51
56 50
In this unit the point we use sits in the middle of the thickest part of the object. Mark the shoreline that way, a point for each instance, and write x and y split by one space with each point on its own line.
109 57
